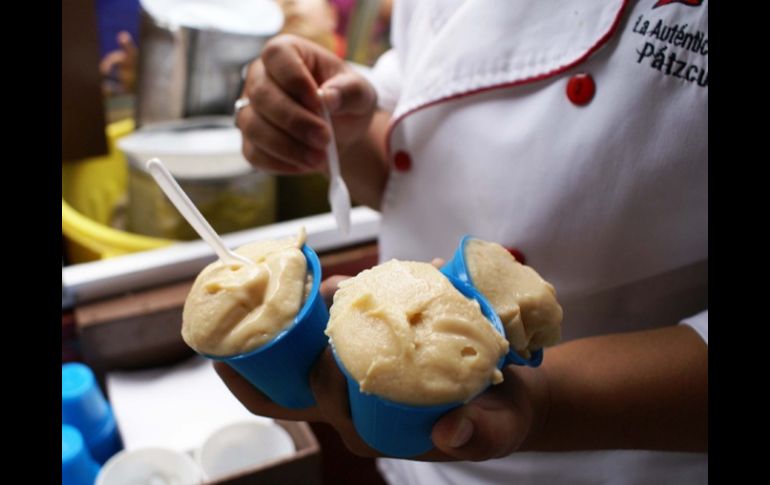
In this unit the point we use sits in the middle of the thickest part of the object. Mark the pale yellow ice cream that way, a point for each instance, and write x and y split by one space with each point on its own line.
525 302
406 334
233 309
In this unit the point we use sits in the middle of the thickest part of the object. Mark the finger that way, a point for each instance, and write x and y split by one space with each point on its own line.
438 262
268 163
349 93
487 427
278 144
288 67
126 42
114 58
255 401
276 106
330 388
329 287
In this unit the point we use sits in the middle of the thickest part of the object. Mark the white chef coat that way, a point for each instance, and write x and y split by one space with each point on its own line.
607 199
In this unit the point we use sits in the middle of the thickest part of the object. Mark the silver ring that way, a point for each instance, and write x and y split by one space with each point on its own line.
240 103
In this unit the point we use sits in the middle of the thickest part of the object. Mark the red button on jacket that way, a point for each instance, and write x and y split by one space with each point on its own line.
581 89
402 161
518 255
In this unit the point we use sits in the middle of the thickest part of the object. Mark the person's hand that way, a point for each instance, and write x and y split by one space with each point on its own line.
120 64
326 381
283 127
492 425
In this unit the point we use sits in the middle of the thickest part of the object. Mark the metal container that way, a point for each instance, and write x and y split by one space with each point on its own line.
192 53
204 155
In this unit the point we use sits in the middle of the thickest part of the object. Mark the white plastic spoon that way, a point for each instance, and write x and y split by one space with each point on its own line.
339 197
179 198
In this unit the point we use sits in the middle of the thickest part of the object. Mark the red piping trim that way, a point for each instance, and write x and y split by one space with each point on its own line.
602 40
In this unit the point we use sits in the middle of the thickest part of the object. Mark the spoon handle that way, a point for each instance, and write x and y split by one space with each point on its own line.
186 207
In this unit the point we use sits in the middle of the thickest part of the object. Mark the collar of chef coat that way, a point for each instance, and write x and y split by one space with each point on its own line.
477 45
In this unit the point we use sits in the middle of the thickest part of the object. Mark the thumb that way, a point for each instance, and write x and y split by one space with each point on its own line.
349 93
485 428
329 287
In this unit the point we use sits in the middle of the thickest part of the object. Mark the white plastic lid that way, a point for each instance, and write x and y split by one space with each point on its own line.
150 466
242 446
194 148
251 17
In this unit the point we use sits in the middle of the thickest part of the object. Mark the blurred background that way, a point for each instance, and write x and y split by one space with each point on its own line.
147 78
144 78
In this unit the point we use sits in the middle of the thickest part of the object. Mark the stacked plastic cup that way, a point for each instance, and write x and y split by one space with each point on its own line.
84 407
403 430
150 466
77 465
280 368
457 268
242 445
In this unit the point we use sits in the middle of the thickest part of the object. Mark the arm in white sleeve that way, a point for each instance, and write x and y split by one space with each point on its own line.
699 323
385 76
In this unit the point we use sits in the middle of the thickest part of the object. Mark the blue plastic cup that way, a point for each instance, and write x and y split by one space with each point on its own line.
77 465
403 430
84 406
280 368
457 268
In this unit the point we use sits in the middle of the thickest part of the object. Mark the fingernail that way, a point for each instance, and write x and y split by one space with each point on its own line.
462 433
333 99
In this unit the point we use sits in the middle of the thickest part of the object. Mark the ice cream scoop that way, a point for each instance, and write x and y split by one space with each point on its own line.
524 301
266 320
234 308
413 344
406 334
